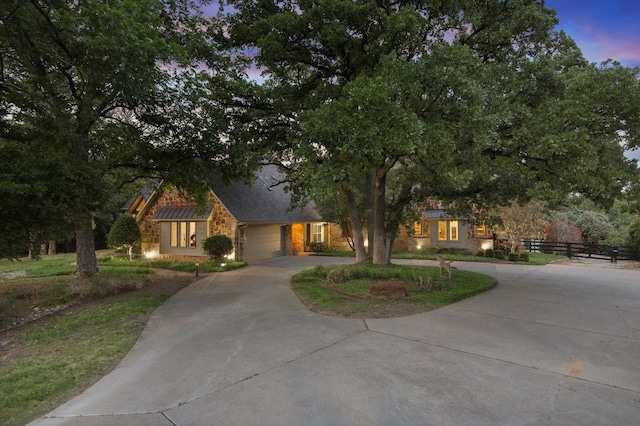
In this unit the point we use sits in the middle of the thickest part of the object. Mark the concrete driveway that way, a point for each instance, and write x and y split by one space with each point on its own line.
552 345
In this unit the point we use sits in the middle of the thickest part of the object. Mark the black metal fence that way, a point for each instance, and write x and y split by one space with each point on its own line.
586 250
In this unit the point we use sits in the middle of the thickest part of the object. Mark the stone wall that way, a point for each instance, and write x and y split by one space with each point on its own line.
222 222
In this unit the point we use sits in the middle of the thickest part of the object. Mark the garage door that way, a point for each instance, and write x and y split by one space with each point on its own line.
262 242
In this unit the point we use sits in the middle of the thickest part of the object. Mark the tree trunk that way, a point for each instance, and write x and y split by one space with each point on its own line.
356 227
379 249
52 247
86 249
370 202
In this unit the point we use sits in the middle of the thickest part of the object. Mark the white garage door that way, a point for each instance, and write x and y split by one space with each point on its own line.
262 242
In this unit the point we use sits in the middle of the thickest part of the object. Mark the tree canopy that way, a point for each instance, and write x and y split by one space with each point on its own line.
387 102
97 94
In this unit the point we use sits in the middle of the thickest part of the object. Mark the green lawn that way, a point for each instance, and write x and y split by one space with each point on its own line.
345 290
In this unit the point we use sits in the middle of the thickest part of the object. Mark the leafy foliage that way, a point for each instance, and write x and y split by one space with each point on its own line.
634 233
124 232
96 95
381 104
563 232
595 226
217 247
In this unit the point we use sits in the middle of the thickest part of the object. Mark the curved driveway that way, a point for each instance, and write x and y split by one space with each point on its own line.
552 345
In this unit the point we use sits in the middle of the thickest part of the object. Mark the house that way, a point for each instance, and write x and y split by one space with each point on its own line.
256 217
436 229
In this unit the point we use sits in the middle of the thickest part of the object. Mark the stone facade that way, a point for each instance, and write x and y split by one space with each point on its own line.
219 222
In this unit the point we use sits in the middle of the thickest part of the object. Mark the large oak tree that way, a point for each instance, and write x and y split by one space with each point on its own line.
96 94
388 102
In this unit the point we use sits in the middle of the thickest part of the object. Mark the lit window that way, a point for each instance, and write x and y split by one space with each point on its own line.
482 229
183 234
317 236
453 230
442 230
417 228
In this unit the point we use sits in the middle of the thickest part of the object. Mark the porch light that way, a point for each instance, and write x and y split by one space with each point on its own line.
486 246
366 243
418 246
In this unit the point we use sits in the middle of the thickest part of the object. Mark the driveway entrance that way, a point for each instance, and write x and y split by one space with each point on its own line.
552 345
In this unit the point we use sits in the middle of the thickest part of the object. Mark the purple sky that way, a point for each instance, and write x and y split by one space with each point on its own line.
602 29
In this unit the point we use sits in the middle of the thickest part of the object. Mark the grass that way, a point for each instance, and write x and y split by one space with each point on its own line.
534 258
345 290
122 261
46 362
66 353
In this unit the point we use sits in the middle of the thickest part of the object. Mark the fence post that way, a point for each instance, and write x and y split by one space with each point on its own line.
614 254
569 250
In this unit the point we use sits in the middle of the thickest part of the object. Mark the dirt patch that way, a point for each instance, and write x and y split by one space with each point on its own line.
372 308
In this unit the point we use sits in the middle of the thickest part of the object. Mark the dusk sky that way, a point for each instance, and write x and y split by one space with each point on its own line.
602 28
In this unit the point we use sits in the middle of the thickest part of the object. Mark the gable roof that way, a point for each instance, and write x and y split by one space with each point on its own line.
263 202
142 195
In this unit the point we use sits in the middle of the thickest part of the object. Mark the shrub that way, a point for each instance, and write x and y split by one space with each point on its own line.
338 275
514 257
489 253
320 271
217 247
316 247
498 254
524 257
124 233
480 253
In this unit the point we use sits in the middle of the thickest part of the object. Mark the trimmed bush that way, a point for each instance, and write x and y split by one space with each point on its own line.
498 254
514 257
524 257
124 233
316 247
489 253
480 253
217 247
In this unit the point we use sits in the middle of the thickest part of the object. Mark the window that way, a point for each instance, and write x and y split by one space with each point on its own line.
183 234
442 230
482 229
317 236
453 230
448 225
417 228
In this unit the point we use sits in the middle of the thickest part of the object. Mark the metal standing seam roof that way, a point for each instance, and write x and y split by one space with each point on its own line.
180 213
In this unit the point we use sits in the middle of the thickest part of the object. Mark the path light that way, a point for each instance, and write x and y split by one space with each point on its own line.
150 254
486 246
418 246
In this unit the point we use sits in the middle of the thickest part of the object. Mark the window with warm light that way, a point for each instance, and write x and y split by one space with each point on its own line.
183 234
453 230
448 230
317 236
482 229
417 228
